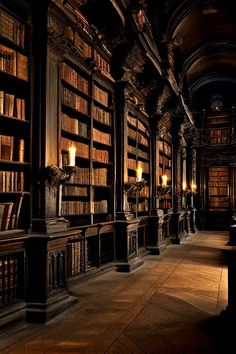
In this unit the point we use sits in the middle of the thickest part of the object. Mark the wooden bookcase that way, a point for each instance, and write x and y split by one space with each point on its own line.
165 168
138 155
218 189
218 129
15 125
87 123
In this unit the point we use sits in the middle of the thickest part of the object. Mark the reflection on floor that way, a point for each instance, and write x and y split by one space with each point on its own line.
169 305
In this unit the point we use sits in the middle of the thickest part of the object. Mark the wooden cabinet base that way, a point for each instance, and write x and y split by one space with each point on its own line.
43 312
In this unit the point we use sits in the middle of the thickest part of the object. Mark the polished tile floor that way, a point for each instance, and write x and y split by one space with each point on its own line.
170 305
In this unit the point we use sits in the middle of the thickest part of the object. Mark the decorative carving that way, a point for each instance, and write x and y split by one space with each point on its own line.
135 59
54 175
163 98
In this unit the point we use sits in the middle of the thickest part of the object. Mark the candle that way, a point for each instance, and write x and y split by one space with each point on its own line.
184 185
164 180
139 172
193 187
72 152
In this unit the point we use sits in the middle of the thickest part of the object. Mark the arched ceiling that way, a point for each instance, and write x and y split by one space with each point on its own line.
206 48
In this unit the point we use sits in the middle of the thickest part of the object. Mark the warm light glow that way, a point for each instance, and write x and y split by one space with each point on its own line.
194 187
184 185
72 154
164 180
139 172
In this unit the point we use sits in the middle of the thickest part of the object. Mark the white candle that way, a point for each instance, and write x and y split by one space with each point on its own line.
139 172
184 185
164 180
72 152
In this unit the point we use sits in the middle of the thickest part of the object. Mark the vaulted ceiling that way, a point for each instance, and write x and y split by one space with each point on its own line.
204 33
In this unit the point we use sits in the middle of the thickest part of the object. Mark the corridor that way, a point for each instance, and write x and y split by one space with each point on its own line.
169 305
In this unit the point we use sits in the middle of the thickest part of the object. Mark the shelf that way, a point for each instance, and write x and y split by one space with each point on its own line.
98 148
76 90
14 117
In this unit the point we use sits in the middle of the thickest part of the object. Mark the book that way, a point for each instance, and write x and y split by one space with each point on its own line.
5 214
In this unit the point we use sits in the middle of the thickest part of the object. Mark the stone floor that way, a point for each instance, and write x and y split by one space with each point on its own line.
170 305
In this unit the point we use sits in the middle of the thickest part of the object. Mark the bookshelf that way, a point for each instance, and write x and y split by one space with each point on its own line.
218 129
15 125
138 156
218 189
87 124
11 280
165 168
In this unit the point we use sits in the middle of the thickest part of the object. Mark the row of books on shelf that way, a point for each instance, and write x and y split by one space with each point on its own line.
132 133
137 124
218 190
8 216
99 136
137 136
165 160
215 171
216 141
102 63
12 29
143 140
81 176
13 63
74 101
218 132
101 96
73 125
97 177
74 37
218 172
12 148
134 150
218 201
100 155
12 106
223 117
84 207
219 179
75 191
102 116
73 78
217 182
78 256
8 279
82 150
143 154
12 181
165 147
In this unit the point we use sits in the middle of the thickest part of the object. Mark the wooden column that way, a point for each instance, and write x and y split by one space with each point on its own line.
45 126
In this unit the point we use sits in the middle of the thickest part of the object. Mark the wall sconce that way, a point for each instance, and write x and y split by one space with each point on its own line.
137 186
163 189
56 176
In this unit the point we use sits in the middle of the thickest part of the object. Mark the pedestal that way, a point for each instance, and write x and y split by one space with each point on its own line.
127 256
192 220
47 293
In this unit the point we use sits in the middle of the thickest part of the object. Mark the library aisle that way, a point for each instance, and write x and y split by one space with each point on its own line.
169 305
